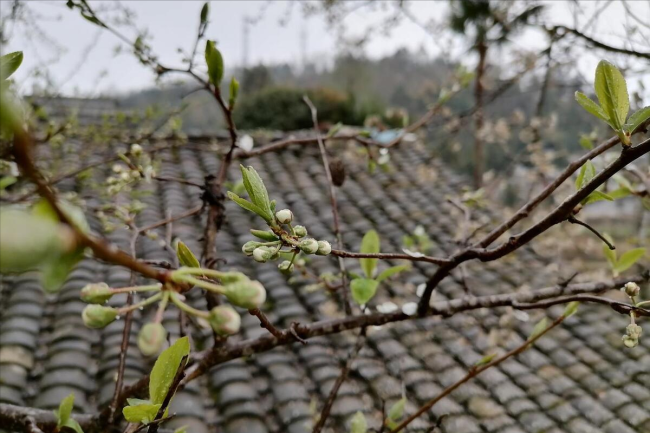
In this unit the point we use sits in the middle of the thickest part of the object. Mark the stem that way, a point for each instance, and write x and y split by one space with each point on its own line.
202 283
150 300
186 308
574 220
151 288
162 306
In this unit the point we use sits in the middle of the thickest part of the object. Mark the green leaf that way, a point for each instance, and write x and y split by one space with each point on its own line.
586 142
571 309
181 429
539 328
214 60
597 196
9 63
591 107
396 411
73 425
587 172
369 245
165 368
248 206
6 182
628 259
234 91
611 90
637 119
387 273
485 360
186 257
363 290
358 424
65 409
256 189
620 193
265 235
55 271
141 413
205 10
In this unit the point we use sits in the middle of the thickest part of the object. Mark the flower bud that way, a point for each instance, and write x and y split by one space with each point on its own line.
632 289
96 293
151 338
261 254
246 294
633 330
630 342
324 248
300 231
117 168
309 246
224 320
249 247
97 316
286 267
136 149
284 216
232 277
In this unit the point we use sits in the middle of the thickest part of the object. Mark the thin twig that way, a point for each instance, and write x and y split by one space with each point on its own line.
335 209
574 220
265 322
475 371
345 371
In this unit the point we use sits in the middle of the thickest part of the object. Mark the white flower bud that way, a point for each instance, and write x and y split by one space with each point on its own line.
284 216
632 289
249 247
630 342
224 320
633 330
246 294
309 246
136 149
286 267
117 168
324 248
300 231
261 254
125 176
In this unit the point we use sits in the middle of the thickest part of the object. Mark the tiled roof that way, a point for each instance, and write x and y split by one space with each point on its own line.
578 379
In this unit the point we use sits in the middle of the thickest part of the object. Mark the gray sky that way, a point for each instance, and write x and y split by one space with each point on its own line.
172 24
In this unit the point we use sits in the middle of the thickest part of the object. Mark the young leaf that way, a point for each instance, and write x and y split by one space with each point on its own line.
363 290
234 91
358 424
165 368
65 409
186 257
56 270
591 107
74 425
256 190
611 90
396 411
597 196
144 412
628 259
387 273
204 13
637 119
9 63
539 328
587 172
571 309
485 360
181 429
265 235
214 60
610 255
249 206
369 245
619 193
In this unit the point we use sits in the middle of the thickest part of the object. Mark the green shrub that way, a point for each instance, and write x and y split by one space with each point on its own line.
283 108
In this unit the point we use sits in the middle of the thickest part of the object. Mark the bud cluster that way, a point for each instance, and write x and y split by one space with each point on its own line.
295 239
632 334
138 165
632 331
